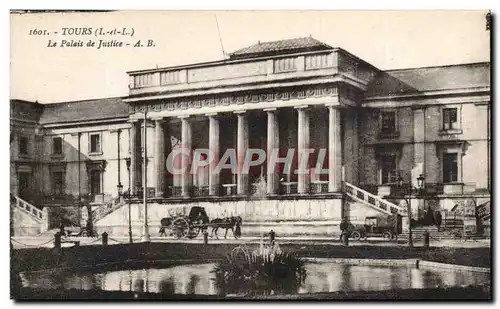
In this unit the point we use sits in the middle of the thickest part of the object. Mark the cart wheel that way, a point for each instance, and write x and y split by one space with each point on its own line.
180 227
84 233
356 235
387 236
193 233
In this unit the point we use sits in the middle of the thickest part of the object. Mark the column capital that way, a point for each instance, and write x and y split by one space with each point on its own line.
272 109
332 105
211 114
158 119
240 112
301 107
184 117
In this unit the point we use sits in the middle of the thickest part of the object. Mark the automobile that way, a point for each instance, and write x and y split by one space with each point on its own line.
388 227
77 231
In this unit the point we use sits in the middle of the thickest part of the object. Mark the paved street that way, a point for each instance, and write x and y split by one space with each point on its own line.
46 240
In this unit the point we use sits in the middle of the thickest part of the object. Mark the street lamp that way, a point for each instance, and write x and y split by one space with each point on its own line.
119 187
129 196
408 209
421 181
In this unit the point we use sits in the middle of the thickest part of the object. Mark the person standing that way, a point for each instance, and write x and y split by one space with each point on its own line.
439 219
344 226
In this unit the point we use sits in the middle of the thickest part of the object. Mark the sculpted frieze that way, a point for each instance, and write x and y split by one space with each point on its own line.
226 100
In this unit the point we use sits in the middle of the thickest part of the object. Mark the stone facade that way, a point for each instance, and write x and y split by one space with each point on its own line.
320 98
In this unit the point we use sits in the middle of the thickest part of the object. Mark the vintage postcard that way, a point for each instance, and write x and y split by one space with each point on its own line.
249 155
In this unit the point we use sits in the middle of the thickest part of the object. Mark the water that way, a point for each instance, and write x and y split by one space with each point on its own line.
196 279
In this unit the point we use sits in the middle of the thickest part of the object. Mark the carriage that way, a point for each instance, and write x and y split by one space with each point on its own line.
196 222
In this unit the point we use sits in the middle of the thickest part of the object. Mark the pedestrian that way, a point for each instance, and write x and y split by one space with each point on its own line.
90 228
439 219
344 226
61 229
162 231
237 230
272 237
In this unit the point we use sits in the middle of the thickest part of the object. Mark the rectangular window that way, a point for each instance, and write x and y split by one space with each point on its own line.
284 65
388 122
57 146
450 119
388 168
95 143
450 167
23 145
58 183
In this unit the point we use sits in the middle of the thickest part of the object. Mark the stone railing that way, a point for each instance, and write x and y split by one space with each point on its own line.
27 208
289 187
228 189
233 70
319 186
199 191
373 201
104 210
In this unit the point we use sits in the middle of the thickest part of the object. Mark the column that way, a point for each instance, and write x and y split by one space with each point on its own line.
186 156
159 157
134 158
303 145
418 145
213 145
242 146
334 150
272 146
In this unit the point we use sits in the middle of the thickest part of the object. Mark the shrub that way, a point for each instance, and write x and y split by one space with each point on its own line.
262 272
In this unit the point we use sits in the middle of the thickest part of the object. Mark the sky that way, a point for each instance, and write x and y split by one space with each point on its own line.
386 39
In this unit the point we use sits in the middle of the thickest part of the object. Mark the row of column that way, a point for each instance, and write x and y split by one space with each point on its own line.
334 147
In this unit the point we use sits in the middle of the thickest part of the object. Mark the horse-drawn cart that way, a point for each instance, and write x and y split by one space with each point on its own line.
196 222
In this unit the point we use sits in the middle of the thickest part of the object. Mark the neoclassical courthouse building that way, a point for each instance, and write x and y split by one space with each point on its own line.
378 128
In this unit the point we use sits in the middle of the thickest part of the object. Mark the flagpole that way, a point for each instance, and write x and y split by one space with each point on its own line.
145 233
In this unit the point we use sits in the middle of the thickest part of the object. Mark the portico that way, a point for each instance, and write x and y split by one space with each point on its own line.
290 103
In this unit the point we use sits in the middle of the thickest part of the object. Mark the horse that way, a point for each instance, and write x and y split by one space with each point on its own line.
228 223
165 223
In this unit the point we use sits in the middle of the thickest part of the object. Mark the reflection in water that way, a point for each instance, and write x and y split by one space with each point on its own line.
197 279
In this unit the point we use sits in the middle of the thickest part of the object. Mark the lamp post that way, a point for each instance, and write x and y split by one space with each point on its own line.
420 183
129 196
119 188
146 236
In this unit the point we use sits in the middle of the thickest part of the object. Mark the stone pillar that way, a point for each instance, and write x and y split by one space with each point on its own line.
418 145
242 146
159 157
213 145
302 145
272 147
186 156
334 150
135 157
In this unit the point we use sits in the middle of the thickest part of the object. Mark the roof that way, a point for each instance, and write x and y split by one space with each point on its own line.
413 81
97 109
288 46
22 109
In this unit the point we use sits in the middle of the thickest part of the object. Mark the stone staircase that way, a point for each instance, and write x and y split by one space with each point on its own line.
107 208
373 201
26 208
25 218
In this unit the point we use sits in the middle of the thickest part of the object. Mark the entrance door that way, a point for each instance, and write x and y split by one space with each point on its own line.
95 182
24 184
